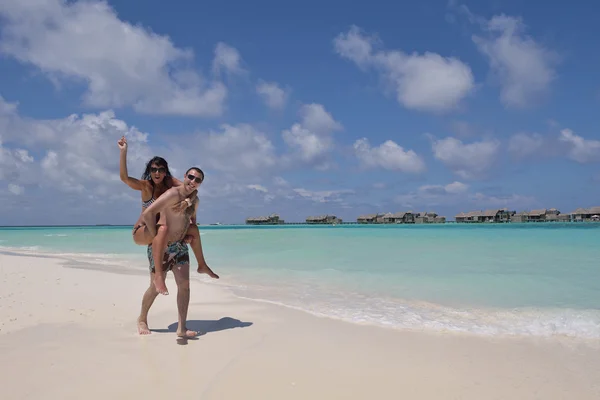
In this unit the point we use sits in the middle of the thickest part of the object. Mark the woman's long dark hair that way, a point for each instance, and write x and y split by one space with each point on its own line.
161 162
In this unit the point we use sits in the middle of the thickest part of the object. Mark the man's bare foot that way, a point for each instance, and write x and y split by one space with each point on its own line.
143 328
205 269
186 333
160 284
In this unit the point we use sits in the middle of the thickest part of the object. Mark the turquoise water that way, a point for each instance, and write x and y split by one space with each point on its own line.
526 279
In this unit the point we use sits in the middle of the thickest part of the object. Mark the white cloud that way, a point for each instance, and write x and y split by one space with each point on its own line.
513 201
523 67
433 195
426 82
17 190
258 188
273 96
458 196
279 181
75 154
388 155
469 161
524 144
456 187
323 196
228 59
120 64
239 150
311 139
579 149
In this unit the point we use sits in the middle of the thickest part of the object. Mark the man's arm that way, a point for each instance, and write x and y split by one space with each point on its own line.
149 215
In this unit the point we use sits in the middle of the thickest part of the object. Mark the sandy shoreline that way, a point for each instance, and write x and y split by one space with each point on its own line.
67 331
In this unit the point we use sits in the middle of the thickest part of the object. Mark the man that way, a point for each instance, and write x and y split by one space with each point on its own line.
177 211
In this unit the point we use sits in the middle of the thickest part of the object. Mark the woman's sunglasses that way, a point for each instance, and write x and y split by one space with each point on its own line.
195 178
161 170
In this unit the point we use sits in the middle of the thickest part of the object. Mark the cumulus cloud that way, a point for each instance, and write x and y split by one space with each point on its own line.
235 149
71 166
388 155
579 149
311 139
120 64
227 59
323 196
272 94
524 144
512 201
425 82
432 195
523 67
458 195
469 161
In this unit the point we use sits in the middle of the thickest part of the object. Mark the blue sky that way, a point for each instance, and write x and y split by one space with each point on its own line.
303 109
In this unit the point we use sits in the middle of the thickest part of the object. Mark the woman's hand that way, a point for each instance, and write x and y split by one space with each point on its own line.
122 143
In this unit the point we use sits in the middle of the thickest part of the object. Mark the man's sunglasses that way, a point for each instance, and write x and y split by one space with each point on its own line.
154 170
195 178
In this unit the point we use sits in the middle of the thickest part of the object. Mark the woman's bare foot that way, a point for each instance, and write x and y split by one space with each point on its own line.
143 328
205 269
160 283
186 333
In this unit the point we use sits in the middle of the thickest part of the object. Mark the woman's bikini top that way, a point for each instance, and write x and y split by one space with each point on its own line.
146 204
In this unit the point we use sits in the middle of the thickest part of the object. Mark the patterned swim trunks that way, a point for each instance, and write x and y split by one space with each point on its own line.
176 253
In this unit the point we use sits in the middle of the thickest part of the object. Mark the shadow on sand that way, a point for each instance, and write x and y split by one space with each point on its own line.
205 326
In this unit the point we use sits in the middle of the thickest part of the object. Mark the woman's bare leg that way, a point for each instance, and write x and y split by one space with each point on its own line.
159 245
143 237
196 245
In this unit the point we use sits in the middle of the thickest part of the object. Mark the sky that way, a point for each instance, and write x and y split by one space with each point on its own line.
299 109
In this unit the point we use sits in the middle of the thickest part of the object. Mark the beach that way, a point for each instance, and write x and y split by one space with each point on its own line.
68 331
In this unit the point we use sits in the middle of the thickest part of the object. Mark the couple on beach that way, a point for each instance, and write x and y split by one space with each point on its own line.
166 226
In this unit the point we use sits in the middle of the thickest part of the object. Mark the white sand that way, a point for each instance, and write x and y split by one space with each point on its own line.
70 333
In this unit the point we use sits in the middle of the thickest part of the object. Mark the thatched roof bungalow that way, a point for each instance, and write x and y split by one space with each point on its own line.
368 218
586 214
323 219
272 219
471 216
519 217
428 217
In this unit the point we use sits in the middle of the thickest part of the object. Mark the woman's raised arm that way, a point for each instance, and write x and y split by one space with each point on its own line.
133 183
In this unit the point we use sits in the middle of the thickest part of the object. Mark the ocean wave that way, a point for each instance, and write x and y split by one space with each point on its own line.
56 235
422 316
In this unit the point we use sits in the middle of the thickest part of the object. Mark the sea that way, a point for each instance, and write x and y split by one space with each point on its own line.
540 280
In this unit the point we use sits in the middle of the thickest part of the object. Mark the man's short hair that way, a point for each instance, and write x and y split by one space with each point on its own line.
198 170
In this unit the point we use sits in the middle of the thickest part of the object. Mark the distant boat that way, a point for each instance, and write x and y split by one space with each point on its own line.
217 223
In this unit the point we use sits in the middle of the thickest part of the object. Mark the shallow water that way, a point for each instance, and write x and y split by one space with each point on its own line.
528 279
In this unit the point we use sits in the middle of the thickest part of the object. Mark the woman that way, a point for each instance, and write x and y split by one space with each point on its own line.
155 180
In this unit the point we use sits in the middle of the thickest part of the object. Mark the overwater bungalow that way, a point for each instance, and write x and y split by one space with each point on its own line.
429 217
368 218
586 214
469 217
399 218
323 219
272 219
541 215
501 215
519 217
